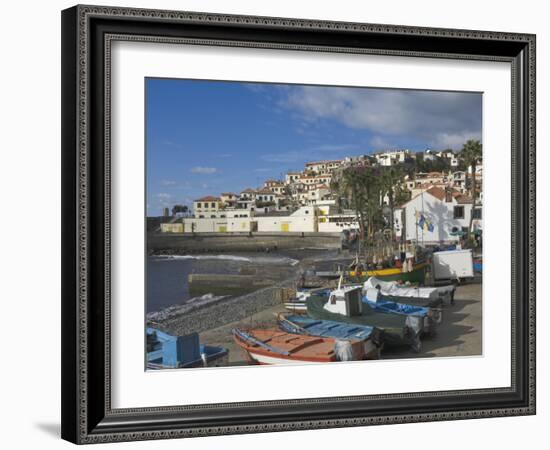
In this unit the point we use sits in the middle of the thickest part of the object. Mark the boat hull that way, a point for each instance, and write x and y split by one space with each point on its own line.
417 275
272 346
398 329
370 338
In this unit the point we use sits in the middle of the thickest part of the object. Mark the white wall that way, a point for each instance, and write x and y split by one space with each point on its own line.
295 223
440 214
30 173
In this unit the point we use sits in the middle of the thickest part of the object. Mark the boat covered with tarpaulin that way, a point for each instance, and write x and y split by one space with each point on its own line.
413 295
430 316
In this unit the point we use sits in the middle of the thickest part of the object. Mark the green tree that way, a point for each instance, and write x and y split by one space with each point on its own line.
360 188
390 182
472 154
179 209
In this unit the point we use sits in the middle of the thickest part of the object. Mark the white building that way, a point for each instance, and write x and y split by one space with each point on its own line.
450 156
208 206
302 220
275 186
459 181
292 177
247 199
228 199
307 219
436 216
318 193
322 167
391 157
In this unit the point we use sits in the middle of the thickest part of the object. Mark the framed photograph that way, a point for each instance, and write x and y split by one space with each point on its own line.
281 224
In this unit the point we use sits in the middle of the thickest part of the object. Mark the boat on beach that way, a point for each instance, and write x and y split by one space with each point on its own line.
273 346
416 274
165 351
430 316
372 338
346 305
410 294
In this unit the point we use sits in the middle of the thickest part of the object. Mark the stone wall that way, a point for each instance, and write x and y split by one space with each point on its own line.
227 311
158 243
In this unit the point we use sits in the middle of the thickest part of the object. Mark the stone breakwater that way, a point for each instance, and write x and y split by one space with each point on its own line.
227 310
181 244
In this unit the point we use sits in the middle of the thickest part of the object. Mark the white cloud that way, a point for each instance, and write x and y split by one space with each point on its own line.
204 170
421 115
168 183
323 151
378 142
455 140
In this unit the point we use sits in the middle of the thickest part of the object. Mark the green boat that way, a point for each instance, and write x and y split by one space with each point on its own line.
345 305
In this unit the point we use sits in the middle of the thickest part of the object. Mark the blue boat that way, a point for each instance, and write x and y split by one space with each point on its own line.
430 316
165 351
371 337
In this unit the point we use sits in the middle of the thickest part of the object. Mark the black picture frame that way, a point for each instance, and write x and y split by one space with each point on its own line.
87 416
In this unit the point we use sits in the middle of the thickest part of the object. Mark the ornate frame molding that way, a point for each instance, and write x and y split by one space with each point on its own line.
87 422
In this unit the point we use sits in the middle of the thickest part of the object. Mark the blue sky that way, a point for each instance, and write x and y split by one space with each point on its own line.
207 137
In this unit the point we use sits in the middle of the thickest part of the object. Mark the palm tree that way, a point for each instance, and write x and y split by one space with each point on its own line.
391 179
472 153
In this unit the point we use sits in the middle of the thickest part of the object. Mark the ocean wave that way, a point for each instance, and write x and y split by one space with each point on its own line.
198 257
190 305
280 260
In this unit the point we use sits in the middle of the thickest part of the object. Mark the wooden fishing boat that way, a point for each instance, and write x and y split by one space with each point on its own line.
371 338
346 305
416 275
411 294
272 346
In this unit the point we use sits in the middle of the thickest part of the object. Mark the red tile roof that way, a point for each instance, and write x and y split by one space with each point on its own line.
439 193
208 198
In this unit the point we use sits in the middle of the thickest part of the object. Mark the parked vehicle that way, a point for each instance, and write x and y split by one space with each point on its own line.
453 265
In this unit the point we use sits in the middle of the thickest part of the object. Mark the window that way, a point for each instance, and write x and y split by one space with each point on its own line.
459 212
199 205
477 213
213 205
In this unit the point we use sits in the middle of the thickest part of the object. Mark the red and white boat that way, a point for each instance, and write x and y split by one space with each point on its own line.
273 346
